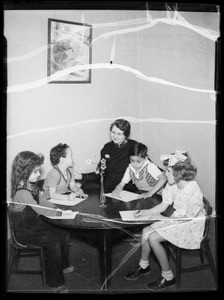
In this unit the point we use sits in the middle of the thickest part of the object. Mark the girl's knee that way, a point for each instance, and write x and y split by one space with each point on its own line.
153 238
146 232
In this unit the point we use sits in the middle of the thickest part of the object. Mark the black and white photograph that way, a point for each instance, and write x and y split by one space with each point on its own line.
111 118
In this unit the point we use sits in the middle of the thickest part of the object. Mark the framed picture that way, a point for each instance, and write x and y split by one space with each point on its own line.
69 52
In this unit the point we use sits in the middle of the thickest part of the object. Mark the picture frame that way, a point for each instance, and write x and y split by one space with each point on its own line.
69 48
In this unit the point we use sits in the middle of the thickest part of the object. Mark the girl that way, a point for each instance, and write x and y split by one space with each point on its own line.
186 195
143 173
116 154
30 227
60 183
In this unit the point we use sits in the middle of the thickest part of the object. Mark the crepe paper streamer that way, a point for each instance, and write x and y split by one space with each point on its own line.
112 55
180 21
168 9
59 75
148 16
34 205
177 20
131 119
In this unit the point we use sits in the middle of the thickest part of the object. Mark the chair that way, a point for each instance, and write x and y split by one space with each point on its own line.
19 250
204 251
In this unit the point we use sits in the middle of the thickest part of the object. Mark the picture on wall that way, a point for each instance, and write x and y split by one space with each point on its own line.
69 52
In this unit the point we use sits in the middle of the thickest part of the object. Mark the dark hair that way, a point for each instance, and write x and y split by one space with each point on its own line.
23 165
138 149
122 125
57 152
183 170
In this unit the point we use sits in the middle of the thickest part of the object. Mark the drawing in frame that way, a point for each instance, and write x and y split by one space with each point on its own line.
69 47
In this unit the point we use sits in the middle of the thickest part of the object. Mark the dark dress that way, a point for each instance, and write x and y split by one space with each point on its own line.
117 160
30 228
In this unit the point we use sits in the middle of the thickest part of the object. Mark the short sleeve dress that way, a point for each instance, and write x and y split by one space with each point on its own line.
188 203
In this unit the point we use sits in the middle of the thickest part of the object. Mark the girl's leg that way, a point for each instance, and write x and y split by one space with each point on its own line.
155 242
145 248
167 278
52 252
64 240
143 268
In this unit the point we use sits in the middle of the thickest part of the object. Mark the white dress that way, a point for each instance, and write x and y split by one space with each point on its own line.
188 203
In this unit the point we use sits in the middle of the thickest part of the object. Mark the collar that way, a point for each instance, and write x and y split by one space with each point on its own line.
121 145
138 171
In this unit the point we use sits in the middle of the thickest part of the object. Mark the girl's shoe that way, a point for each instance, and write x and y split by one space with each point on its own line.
68 270
136 273
160 284
59 290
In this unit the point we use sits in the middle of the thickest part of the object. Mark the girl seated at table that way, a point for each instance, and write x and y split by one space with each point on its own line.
144 174
26 209
59 183
184 228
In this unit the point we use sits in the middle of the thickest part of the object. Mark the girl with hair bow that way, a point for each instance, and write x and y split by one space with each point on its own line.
184 228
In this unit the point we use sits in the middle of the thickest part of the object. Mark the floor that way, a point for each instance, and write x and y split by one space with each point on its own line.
86 277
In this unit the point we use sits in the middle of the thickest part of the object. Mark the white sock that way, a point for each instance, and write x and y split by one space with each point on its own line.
168 275
143 263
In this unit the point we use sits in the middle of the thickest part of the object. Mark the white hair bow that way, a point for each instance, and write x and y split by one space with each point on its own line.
174 158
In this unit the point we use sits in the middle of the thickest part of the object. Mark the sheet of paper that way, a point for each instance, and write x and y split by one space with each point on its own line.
125 196
128 215
67 202
67 216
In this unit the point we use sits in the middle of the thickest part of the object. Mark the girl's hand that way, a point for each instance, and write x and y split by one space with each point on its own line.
116 193
81 194
140 214
71 196
145 195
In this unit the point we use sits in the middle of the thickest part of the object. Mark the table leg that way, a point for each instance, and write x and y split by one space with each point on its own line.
105 256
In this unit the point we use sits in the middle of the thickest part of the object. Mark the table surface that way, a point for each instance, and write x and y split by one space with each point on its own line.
92 216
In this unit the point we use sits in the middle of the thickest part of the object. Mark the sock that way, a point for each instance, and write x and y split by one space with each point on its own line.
168 275
143 263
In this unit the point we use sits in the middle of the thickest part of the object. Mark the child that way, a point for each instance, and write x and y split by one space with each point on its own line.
30 228
143 173
60 183
186 195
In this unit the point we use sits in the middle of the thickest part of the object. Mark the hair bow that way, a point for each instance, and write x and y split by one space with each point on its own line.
174 158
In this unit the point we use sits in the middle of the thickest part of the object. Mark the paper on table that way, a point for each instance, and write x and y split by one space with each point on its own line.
70 215
67 202
128 215
125 196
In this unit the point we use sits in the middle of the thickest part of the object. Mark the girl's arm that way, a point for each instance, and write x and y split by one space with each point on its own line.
77 190
126 178
25 197
162 180
57 196
116 192
155 210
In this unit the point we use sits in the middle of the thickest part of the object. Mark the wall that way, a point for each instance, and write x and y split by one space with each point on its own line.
167 93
